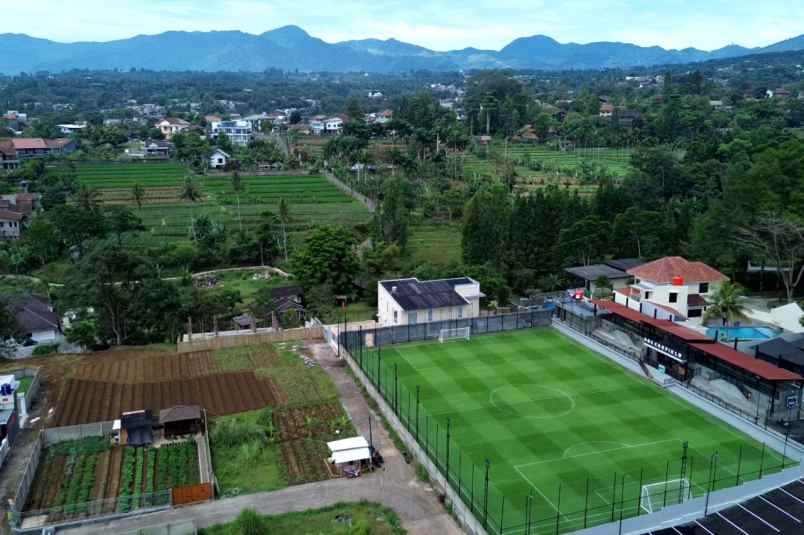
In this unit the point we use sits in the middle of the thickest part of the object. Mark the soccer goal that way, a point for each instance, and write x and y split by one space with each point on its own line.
461 333
656 496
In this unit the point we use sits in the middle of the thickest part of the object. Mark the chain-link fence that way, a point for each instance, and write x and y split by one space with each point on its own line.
96 508
573 503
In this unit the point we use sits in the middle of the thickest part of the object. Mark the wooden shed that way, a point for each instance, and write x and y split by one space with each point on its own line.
180 420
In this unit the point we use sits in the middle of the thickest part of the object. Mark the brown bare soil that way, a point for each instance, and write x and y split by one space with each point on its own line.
113 479
305 460
224 393
311 421
149 369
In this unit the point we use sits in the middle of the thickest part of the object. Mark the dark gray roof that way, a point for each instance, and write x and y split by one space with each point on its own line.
32 312
180 413
624 264
787 347
135 419
292 290
593 272
413 294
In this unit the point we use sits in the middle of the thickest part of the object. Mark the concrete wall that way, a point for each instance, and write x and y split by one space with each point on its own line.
209 342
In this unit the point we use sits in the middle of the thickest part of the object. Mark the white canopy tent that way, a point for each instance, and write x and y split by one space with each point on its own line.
349 450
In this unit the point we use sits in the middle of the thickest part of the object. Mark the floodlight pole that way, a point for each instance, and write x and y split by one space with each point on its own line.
449 423
486 496
786 437
762 461
418 392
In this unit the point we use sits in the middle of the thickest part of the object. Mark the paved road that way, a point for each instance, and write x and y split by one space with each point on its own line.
395 486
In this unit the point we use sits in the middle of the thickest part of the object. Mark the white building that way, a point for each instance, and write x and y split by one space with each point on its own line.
171 126
218 159
239 132
671 284
333 125
411 301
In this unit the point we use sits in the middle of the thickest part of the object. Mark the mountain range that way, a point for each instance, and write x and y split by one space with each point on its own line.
291 48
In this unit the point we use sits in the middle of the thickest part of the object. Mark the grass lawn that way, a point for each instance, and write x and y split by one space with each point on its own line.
436 244
250 466
554 418
339 519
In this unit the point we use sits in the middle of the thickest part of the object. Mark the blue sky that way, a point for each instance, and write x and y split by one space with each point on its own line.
439 25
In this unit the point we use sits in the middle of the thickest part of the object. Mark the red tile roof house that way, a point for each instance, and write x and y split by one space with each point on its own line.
671 288
16 150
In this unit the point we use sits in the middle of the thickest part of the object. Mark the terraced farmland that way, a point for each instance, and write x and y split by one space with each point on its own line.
313 200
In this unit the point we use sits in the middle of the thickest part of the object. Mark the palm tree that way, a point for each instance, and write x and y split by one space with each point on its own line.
284 219
138 194
191 192
237 186
87 198
726 303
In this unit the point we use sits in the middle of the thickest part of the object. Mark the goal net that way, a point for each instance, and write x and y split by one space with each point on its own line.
656 496
461 333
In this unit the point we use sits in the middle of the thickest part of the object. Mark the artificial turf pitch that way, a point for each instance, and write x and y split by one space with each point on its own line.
560 423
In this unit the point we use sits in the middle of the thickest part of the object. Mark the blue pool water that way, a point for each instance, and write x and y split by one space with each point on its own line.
741 333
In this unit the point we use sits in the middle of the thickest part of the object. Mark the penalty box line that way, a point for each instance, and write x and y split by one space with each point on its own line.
606 450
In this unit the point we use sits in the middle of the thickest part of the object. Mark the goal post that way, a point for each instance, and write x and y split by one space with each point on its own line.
656 496
461 333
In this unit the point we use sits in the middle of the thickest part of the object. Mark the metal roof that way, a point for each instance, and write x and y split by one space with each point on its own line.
758 367
593 272
413 294
624 264
787 347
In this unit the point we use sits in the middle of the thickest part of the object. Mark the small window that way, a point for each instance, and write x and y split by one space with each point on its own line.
460 312
396 316
695 313
647 295
673 297
703 288
430 315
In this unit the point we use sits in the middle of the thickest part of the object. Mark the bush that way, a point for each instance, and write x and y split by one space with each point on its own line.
231 433
250 523
44 349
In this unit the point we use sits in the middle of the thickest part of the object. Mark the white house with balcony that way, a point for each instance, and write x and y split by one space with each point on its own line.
239 132
670 288
411 301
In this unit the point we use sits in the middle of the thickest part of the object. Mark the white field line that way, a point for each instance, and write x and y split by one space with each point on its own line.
609 450
549 502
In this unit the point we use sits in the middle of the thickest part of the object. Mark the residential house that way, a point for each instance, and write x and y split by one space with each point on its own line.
716 104
672 284
411 301
158 148
170 126
288 299
317 125
14 151
781 93
36 320
256 121
606 110
239 132
333 126
219 159
213 118
11 223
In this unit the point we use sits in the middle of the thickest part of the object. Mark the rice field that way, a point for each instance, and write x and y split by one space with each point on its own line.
312 199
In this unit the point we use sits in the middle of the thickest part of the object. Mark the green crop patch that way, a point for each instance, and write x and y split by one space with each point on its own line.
571 438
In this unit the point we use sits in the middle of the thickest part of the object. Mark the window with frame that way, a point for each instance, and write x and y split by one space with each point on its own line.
703 288
396 316
673 297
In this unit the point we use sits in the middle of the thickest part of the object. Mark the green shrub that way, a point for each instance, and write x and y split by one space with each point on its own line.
250 523
231 432
44 349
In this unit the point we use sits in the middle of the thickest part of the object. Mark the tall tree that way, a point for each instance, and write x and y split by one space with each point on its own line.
138 194
284 220
192 193
237 187
777 241
328 257
487 218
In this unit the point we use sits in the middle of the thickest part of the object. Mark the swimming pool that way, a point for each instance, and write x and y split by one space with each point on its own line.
741 333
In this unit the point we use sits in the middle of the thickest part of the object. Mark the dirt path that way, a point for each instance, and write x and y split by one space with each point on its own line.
395 486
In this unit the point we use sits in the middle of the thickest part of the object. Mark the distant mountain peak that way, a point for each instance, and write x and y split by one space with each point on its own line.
292 48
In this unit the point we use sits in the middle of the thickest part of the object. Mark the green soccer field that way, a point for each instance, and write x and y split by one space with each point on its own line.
560 423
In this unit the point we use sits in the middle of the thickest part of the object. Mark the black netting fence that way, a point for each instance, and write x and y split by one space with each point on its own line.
570 504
